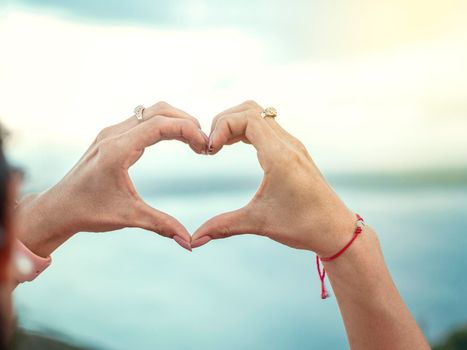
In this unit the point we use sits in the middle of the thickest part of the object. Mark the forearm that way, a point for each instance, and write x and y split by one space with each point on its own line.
42 224
374 313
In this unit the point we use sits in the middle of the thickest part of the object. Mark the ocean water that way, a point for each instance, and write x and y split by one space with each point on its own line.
134 290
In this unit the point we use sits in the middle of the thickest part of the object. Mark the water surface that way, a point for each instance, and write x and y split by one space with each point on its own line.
134 290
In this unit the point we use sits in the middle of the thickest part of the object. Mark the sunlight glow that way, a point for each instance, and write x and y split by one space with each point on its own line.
61 81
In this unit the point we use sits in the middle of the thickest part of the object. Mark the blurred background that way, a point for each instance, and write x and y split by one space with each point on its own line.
375 89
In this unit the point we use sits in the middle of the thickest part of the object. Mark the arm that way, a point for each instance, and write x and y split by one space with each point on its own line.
97 195
295 206
374 313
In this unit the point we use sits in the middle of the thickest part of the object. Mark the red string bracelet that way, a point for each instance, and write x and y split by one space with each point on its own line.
360 224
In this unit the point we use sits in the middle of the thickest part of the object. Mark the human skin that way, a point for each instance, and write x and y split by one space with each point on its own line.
295 206
97 195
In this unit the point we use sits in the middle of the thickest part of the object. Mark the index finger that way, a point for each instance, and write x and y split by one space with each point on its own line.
162 128
163 108
157 109
247 126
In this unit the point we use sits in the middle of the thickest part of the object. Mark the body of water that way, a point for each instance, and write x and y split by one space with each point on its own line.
134 290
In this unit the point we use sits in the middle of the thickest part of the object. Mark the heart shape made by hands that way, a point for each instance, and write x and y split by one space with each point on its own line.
293 200
292 203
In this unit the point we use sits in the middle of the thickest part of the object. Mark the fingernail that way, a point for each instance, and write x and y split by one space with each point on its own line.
210 147
199 242
182 243
206 140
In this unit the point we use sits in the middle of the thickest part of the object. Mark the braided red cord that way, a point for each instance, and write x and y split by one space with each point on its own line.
322 273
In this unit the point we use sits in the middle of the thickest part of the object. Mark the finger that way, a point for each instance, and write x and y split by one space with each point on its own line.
163 224
117 129
242 125
206 140
222 226
236 109
237 139
162 128
163 108
247 105
160 108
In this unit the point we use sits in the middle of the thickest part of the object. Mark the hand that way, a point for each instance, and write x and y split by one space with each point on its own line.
294 205
98 195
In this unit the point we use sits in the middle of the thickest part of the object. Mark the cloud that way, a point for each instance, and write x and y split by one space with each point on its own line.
157 12
64 80
275 22
291 29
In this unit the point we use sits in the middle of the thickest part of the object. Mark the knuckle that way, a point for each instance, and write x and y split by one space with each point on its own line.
103 151
225 124
224 232
221 120
301 147
222 123
164 224
182 125
254 106
104 145
106 148
300 159
157 226
191 119
104 133
161 105
196 121
250 103
291 158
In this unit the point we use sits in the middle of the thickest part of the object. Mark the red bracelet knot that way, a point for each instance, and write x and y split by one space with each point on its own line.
359 226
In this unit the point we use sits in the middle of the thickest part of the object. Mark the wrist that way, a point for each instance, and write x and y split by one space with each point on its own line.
333 228
28 264
361 264
44 222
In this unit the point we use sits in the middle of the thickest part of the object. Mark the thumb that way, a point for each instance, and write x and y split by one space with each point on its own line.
163 224
222 226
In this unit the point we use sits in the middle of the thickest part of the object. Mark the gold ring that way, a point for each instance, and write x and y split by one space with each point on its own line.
270 112
139 112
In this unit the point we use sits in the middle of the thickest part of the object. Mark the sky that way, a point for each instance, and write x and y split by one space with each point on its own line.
367 86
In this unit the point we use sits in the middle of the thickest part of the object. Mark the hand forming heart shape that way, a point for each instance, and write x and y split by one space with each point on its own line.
294 205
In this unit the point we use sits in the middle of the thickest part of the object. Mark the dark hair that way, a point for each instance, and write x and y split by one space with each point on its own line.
4 239
4 176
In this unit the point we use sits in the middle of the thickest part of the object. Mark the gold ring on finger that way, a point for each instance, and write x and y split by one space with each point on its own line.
139 112
269 112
